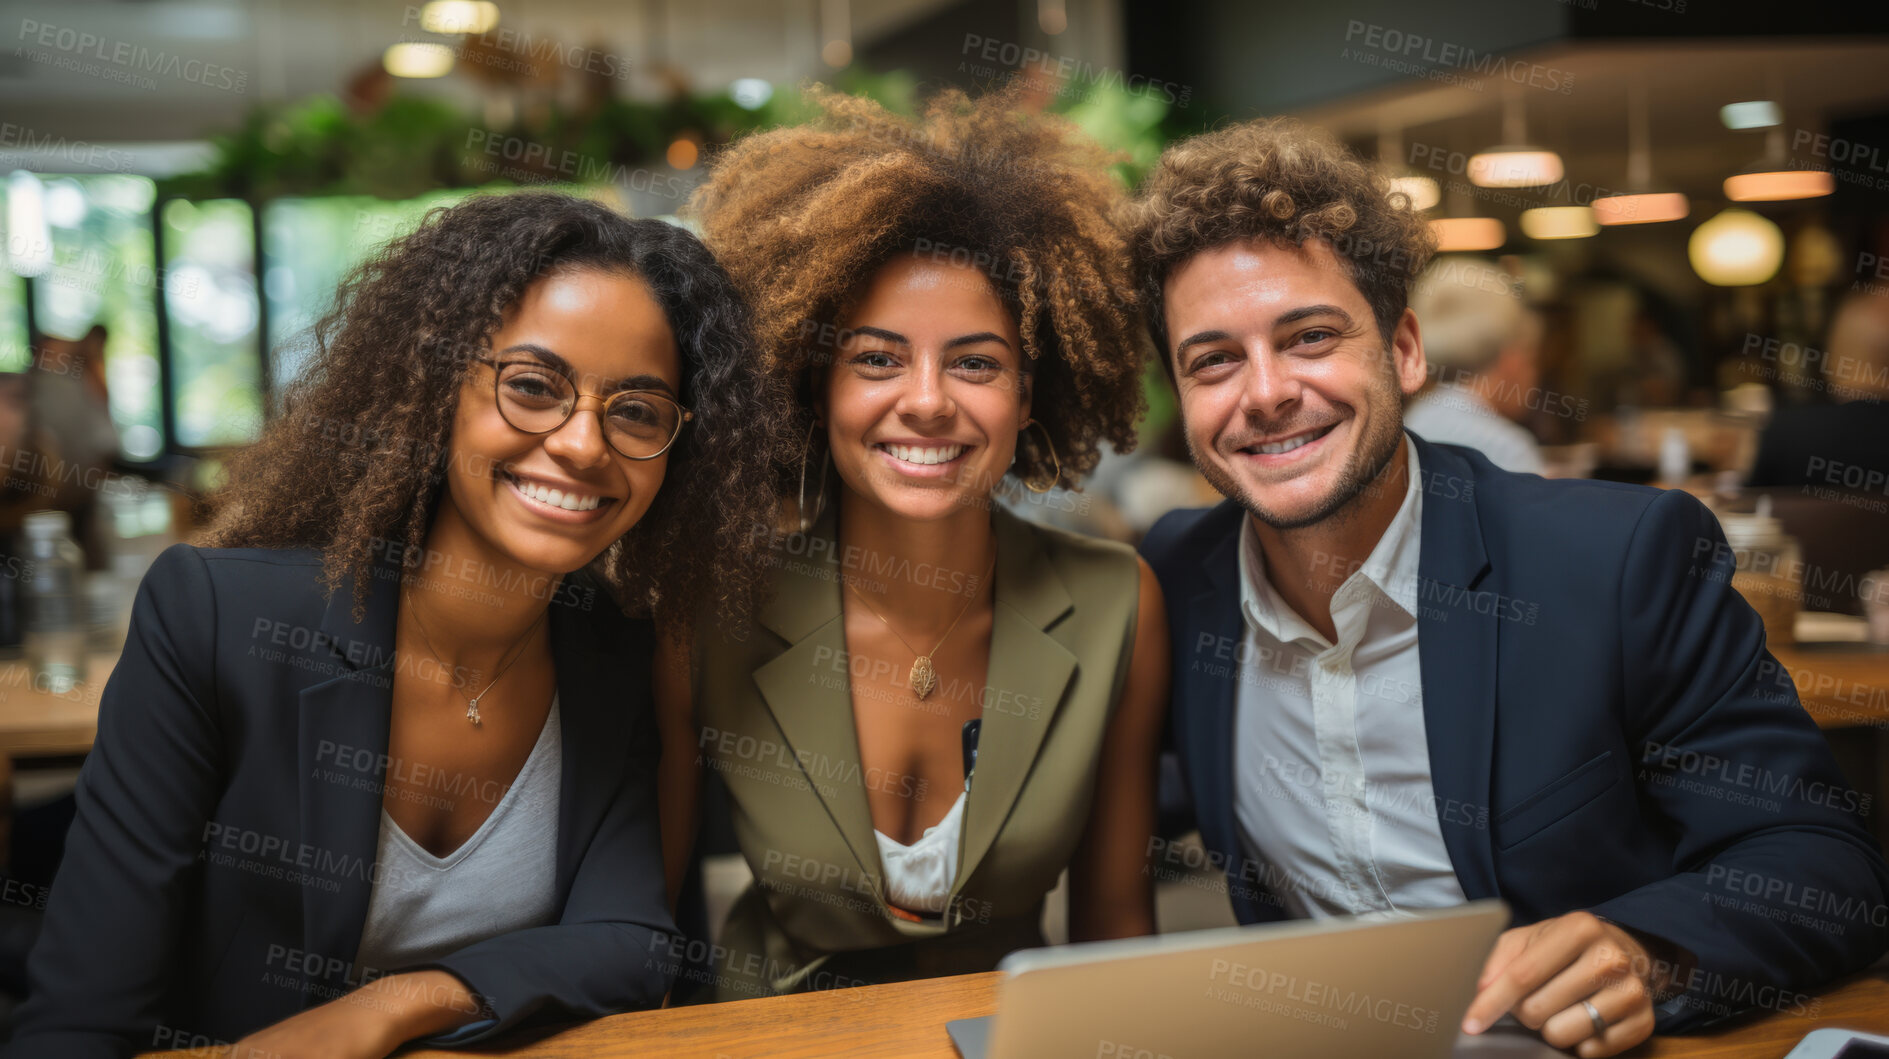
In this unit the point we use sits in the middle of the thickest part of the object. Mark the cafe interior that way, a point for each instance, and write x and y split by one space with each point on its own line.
1688 200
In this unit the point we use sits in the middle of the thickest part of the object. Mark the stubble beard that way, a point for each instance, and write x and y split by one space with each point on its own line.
1367 465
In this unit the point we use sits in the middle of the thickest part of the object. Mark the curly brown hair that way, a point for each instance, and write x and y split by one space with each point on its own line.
354 464
1284 181
803 217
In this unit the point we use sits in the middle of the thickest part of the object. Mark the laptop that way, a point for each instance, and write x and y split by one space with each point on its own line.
1366 985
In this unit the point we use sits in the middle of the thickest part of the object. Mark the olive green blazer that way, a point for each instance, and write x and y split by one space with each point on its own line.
776 719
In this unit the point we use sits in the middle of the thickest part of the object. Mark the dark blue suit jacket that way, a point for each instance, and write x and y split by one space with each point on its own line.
1606 729
217 875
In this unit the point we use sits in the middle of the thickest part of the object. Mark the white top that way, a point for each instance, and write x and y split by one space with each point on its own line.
919 877
1331 769
1455 416
503 878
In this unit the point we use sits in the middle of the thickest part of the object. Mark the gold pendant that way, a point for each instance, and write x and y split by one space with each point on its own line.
472 711
923 678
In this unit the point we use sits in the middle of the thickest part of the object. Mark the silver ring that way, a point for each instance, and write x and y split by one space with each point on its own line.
1593 1016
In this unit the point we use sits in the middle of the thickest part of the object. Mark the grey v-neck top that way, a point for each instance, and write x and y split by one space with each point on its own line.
502 879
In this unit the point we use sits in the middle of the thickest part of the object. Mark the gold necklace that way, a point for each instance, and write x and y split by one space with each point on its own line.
472 704
923 678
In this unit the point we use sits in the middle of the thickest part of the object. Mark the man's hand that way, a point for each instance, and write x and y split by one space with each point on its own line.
1543 972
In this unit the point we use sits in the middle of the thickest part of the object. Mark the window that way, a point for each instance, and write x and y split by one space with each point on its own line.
99 268
214 320
309 245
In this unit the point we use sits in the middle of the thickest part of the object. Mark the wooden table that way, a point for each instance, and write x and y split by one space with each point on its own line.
907 1019
36 722
1842 687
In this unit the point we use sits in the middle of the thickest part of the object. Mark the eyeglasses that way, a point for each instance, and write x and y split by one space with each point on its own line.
536 398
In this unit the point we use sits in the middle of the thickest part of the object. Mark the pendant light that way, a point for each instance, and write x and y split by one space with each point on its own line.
1642 202
836 25
1421 190
1737 248
1559 222
1514 164
1466 234
473 17
1774 178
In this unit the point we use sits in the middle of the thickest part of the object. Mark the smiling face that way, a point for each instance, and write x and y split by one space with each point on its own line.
552 502
925 395
1290 397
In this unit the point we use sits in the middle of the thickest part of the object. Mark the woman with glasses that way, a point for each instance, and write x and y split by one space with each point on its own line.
944 706
381 761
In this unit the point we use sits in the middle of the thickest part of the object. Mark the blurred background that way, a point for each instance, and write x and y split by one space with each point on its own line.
1680 196
1666 226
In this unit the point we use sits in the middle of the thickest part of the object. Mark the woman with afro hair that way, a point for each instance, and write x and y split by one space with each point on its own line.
379 762
942 706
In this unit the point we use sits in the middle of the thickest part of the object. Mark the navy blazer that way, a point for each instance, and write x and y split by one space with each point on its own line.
217 875
1605 727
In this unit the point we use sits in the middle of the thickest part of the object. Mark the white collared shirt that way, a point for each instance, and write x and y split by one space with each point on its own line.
1331 769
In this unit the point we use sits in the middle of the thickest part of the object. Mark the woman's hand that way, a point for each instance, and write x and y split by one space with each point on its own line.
370 1022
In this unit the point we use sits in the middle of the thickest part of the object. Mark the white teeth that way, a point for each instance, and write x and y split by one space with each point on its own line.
915 454
557 497
1289 444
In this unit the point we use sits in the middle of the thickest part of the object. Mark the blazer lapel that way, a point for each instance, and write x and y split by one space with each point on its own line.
1027 665
344 720
1210 687
1456 647
814 713
603 688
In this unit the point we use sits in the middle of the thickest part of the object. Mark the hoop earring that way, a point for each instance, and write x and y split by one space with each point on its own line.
1056 475
805 518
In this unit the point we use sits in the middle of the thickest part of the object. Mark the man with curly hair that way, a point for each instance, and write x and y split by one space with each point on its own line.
1404 678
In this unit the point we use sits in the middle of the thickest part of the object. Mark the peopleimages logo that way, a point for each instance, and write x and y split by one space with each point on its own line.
123 60
1313 1001
1418 48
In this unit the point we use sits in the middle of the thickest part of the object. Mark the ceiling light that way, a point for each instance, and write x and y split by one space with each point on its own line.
410 59
459 16
1422 191
1643 202
1775 178
751 93
1755 114
1737 248
1765 183
683 153
1641 209
1515 164
836 25
29 239
1467 233
1514 167
1052 16
1559 222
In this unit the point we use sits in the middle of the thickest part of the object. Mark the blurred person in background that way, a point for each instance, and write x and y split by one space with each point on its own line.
24 452
71 397
962 704
78 442
1484 348
379 761
1843 443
